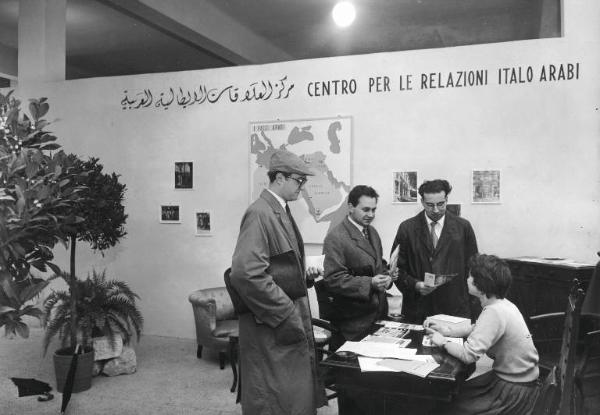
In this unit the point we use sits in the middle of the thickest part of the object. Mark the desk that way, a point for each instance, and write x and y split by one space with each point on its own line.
381 393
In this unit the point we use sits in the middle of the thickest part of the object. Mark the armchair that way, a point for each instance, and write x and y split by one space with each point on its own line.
215 320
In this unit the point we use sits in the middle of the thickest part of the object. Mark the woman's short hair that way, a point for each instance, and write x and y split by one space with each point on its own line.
491 275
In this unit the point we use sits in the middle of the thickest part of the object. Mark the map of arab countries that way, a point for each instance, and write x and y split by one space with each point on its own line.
325 144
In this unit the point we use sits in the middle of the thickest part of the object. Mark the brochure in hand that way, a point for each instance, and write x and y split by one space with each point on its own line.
436 280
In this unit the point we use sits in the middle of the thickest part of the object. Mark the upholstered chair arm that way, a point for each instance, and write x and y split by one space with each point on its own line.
205 312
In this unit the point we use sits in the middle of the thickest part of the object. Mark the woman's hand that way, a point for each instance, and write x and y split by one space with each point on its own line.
436 326
436 338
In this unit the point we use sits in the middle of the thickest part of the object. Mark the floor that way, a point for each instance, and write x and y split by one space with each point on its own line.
169 380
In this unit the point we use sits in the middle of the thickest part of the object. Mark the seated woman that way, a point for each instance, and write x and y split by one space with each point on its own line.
501 333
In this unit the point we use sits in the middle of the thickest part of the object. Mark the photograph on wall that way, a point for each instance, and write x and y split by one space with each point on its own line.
453 208
325 145
203 227
184 175
405 187
486 186
169 214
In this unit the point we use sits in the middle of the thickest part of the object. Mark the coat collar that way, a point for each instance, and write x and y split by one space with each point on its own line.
282 217
359 238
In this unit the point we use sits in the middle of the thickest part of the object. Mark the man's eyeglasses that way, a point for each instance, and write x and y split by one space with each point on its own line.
300 180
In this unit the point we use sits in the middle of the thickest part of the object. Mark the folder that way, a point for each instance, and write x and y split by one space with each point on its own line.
286 272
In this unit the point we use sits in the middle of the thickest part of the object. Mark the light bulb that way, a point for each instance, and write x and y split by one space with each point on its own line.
343 13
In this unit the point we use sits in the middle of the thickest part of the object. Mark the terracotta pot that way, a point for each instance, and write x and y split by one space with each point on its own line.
83 373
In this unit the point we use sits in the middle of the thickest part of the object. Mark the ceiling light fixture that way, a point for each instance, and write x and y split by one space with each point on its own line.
343 13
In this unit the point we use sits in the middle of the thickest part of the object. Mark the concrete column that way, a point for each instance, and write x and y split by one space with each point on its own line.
42 40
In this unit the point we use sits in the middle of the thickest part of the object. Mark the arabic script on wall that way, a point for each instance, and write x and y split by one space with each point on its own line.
256 91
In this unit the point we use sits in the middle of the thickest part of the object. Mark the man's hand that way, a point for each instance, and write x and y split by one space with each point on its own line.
381 282
423 289
313 272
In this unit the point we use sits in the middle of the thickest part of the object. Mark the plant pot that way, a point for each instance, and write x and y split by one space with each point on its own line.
83 373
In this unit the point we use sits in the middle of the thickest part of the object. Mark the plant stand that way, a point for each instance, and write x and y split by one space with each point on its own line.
83 373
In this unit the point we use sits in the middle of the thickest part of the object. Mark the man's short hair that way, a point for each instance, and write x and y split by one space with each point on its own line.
491 275
435 186
361 190
273 175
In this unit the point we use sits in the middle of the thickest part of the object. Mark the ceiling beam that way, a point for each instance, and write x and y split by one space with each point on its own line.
201 25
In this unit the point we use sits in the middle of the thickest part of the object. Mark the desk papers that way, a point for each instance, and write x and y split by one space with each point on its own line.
414 367
379 350
421 366
398 325
390 340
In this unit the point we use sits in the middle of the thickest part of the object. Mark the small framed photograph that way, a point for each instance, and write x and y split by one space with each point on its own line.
405 188
454 208
184 175
203 223
170 214
486 186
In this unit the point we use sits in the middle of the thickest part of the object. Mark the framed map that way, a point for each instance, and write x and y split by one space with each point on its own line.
326 145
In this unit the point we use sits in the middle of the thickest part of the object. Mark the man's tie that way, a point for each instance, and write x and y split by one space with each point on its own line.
365 232
434 238
296 231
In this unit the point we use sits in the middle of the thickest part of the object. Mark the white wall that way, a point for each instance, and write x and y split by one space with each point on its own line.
543 136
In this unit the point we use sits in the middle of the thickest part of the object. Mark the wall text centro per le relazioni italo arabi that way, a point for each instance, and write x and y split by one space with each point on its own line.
510 75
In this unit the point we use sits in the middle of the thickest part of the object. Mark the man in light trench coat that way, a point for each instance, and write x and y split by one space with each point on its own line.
277 352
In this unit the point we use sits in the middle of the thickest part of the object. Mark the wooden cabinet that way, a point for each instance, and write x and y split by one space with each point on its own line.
542 286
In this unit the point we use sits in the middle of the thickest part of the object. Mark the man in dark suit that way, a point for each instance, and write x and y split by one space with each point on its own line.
354 272
436 242
277 351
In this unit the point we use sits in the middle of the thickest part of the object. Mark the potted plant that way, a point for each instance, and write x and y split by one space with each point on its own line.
38 187
103 213
103 307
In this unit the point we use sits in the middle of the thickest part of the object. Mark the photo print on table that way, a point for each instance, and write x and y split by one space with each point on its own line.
170 214
203 225
184 175
486 186
405 187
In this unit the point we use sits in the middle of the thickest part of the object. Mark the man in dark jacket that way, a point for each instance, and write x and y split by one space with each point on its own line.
435 242
353 267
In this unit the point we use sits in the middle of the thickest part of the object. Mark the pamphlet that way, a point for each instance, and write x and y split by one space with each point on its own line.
390 340
398 325
391 332
394 260
435 280
315 261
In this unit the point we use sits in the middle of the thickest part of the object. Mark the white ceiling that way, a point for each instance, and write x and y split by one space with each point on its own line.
119 37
